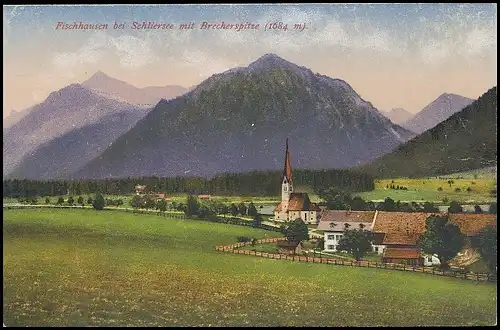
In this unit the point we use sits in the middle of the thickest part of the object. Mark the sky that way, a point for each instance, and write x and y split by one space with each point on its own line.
393 55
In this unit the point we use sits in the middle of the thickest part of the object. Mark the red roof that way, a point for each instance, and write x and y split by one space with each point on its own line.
299 202
401 253
287 171
472 223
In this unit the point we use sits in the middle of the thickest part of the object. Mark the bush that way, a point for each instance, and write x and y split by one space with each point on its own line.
458 189
99 202
440 189
60 200
47 200
243 239
469 189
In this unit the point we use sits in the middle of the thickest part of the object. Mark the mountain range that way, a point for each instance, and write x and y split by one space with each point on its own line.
238 121
465 141
437 111
70 108
124 92
398 115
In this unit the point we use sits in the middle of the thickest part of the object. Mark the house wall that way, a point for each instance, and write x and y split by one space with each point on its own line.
431 260
378 248
332 239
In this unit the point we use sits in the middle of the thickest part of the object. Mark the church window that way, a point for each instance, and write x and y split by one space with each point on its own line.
331 237
285 188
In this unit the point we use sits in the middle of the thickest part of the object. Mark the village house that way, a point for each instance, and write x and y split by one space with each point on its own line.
205 197
294 205
334 222
395 234
139 190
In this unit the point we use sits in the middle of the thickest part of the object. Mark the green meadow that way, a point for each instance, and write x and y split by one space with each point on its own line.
83 267
434 190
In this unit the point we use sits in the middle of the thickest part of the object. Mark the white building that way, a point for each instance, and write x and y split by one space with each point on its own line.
333 223
294 205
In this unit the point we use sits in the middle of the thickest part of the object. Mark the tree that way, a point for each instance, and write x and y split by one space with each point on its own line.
224 210
442 238
455 207
162 206
387 205
234 210
47 200
478 209
493 208
430 208
252 210
295 231
71 200
80 200
257 220
485 242
136 202
60 200
356 242
242 209
149 202
192 206
335 199
320 243
99 202
358 204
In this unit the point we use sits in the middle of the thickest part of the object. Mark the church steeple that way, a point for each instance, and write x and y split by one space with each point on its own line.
286 181
287 171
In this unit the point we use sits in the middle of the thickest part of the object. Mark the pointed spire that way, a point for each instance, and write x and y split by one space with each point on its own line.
287 171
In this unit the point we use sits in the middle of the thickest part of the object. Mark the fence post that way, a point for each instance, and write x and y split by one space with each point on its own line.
404 267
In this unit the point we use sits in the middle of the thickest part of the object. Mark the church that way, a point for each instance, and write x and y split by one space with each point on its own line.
294 205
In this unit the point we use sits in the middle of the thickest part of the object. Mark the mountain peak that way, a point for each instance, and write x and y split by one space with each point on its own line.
270 60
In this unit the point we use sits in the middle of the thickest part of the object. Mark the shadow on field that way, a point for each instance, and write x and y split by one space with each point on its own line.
27 230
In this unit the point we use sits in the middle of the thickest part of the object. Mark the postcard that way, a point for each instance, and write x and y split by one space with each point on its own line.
250 165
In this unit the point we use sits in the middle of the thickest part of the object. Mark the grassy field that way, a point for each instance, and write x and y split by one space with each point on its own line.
87 268
427 190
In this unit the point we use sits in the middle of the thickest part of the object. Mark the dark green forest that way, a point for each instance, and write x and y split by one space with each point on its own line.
255 183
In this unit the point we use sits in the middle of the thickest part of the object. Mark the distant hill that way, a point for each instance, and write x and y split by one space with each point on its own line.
67 153
398 115
14 117
437 111
122 91
238 121
465 141
70 108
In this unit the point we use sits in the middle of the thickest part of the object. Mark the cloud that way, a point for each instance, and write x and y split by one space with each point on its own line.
480 40
132 52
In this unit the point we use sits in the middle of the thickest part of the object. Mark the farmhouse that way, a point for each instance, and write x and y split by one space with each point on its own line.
205 197
396 237
395 234
294 205
333 224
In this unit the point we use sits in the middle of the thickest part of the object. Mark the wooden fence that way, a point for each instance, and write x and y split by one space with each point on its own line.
234 248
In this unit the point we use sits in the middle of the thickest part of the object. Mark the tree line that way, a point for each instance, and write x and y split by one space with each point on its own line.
261 183
337 199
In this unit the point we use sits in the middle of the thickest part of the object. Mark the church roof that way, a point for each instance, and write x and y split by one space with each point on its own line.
287 170
299 202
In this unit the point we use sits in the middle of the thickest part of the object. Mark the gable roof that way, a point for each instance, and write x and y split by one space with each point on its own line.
472 223
400 227
401 253
298 202
335 220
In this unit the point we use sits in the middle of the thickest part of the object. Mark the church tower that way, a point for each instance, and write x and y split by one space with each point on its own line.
286 181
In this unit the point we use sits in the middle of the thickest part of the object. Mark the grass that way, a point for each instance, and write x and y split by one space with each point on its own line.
87 268
426 189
